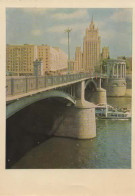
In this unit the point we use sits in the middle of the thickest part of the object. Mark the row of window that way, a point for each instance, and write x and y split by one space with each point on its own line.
19 70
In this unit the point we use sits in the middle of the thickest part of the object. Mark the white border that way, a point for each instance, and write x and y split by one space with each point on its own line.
106 182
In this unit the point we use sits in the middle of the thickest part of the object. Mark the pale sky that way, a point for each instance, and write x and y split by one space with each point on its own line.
46 26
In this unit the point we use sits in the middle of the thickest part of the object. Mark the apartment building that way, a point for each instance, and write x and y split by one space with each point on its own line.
20 58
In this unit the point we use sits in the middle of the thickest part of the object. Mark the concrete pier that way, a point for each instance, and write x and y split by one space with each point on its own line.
78 121
99 96
115 87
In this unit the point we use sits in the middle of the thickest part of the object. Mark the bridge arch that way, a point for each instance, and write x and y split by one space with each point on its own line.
91 82
90 89
26 101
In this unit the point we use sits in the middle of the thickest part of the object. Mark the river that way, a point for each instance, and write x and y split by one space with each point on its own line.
111 148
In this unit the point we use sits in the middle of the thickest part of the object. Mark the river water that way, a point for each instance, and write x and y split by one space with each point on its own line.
111 148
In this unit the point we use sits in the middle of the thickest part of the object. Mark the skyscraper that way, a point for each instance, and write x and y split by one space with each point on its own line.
91 48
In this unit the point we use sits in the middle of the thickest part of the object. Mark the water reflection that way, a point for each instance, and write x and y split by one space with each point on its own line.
110 149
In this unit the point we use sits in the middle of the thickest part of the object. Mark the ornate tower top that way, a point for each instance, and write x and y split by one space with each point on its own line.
92 25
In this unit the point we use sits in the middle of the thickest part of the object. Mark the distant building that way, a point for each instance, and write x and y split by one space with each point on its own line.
53 58
20 58
78 59
105 53
73 68
91 48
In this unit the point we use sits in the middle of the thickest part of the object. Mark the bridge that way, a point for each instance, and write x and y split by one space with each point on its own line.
77 89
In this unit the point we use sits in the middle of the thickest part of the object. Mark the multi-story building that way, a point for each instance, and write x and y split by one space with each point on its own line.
91 49
73 66
105 53
61 61
20 59
78 59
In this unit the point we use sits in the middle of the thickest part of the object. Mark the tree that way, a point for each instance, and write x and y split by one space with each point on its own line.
103 65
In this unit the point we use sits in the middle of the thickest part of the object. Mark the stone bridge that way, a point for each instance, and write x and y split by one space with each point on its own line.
81 91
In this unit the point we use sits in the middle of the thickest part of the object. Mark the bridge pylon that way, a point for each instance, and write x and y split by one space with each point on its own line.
78 121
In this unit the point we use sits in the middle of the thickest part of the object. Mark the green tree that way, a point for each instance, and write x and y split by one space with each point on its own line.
103 65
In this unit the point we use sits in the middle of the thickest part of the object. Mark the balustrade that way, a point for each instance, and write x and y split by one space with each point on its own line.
15 86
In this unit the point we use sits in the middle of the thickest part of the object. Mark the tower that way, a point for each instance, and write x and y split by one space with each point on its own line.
91 48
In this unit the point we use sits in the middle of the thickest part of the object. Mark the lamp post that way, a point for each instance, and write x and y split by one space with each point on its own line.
68 30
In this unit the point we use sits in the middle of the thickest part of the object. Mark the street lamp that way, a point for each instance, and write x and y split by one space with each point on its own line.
68 30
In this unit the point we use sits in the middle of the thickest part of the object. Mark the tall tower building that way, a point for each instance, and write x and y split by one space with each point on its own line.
91 48
78 58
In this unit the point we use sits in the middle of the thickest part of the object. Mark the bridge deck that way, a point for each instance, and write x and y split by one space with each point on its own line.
18 96
18 87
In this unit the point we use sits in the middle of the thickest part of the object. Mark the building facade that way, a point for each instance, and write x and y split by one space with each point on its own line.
91 49
78 59
53 58
105 53
20 58
73 66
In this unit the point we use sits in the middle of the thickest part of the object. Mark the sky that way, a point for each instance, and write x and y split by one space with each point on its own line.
47 26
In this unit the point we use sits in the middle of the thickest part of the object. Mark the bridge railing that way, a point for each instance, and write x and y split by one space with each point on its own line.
20 85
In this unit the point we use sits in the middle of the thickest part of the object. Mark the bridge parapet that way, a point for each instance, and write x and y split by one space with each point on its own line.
22 85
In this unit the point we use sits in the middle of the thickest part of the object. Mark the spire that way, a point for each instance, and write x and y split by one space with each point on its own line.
92 26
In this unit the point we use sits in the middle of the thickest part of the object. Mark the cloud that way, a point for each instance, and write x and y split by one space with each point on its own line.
64 41
61 28
37 11
101 24
123 15
107 34
57 28
36 32
74 15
